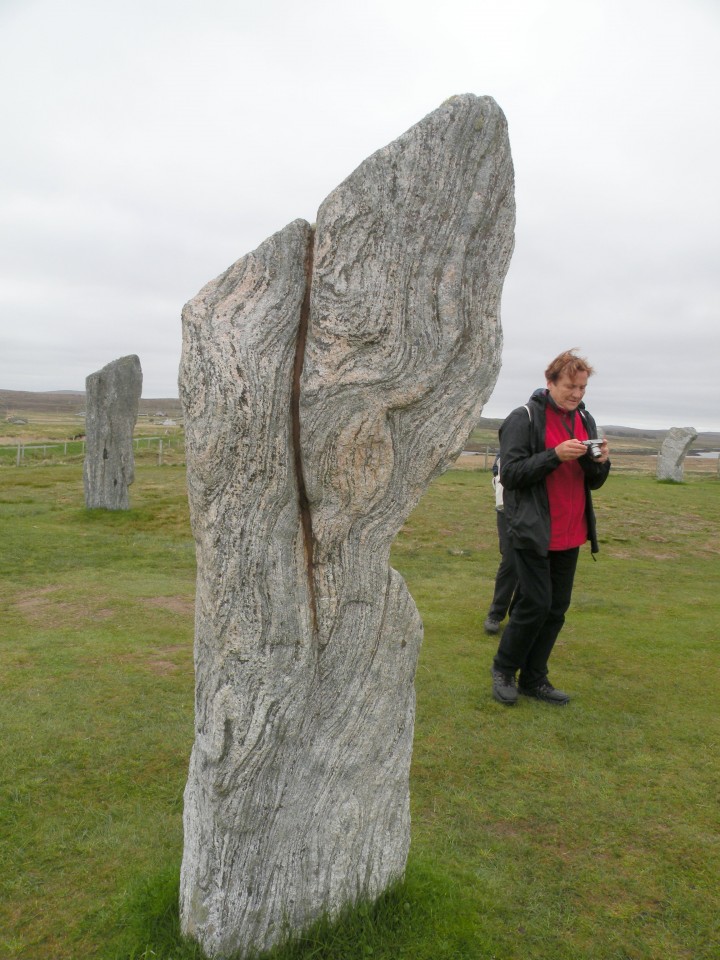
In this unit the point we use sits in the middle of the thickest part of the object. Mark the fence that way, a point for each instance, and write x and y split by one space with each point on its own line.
24 454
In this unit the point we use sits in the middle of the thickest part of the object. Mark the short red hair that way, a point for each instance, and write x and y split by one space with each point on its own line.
568 363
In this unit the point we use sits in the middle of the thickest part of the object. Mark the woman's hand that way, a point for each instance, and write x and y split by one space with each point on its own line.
570 450
574 449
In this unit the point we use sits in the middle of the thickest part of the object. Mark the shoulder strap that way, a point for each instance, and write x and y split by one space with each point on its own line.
528 412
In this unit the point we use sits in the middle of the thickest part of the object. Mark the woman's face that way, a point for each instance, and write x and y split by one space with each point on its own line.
567 391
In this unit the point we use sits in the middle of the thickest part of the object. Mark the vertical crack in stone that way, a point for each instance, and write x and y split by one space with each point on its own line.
305 516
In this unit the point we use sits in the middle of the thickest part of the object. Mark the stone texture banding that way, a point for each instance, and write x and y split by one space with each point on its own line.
306 640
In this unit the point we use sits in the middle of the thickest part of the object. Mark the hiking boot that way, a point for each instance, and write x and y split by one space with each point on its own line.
491 625
546 692
504 688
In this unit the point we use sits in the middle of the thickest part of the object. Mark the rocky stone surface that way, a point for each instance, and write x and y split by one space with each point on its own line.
112 397
326 378
671 458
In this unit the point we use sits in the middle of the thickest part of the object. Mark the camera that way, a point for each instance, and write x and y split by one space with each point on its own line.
593 447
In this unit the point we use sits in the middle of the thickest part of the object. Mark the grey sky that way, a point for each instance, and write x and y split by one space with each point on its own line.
149 144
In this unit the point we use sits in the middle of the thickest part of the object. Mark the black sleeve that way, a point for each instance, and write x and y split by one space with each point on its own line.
519 466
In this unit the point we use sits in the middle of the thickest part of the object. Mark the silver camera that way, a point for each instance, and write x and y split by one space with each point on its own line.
593 447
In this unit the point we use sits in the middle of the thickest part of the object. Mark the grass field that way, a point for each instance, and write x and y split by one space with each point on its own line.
551 834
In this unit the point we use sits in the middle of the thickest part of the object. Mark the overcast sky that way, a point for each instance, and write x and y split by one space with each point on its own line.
149 144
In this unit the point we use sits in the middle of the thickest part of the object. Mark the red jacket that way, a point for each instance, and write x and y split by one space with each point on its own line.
566 485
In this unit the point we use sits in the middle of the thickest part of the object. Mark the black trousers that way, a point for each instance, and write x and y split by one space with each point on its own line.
505 578
544 593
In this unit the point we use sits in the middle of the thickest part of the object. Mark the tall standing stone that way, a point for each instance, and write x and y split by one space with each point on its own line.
671 459
112 399
326 378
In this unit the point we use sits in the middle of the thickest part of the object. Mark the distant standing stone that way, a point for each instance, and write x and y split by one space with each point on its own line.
112 401
673 451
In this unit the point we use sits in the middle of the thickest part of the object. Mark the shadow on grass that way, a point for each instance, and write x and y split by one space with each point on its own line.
424 917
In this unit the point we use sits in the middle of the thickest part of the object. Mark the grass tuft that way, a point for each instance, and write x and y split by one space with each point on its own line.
424 916
145 922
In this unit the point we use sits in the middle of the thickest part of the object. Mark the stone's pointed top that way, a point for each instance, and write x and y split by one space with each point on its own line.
214 290
477 120
471 100
128 366
129 359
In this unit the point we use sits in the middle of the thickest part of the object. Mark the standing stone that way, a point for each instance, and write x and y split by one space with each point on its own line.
326 379
671 459
112 398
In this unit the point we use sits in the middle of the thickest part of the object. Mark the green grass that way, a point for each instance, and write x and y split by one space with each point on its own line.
590 831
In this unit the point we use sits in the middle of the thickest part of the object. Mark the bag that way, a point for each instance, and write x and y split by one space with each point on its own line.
497 485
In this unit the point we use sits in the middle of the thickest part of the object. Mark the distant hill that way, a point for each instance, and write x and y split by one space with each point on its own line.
706 439
71 403
610 430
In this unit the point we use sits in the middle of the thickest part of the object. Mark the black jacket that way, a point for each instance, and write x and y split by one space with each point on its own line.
524 465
